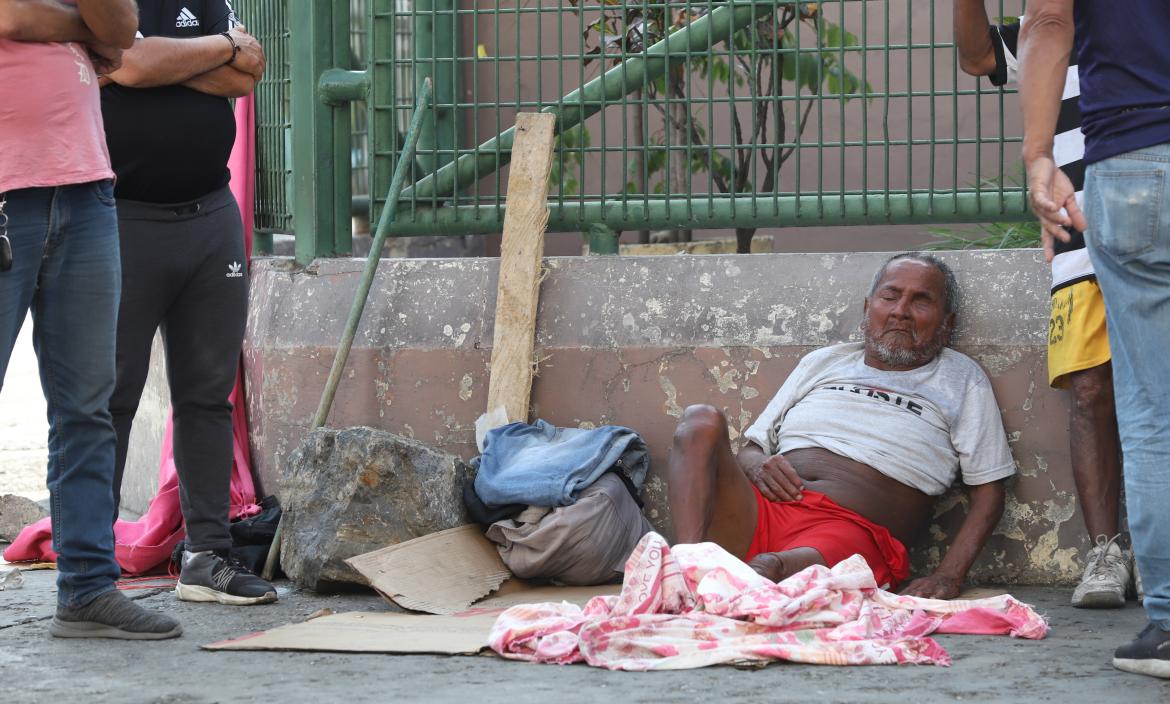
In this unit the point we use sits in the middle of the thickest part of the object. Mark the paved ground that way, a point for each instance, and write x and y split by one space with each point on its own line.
1070 666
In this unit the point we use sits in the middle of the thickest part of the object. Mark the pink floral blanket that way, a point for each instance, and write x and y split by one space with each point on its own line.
696 605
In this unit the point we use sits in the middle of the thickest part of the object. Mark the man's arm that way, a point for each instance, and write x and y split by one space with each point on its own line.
1046 41
224 81
167 61
240 77
986 508
198 62
42 21
113 22
976 50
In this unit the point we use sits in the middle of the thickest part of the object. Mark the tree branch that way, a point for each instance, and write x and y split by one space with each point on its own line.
799 131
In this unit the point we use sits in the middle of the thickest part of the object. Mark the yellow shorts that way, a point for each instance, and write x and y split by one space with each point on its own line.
1077 337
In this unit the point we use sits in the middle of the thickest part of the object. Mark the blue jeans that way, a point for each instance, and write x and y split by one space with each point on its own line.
1127 202
543 465
66 268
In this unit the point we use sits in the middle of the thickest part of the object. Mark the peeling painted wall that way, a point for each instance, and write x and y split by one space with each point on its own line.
634 340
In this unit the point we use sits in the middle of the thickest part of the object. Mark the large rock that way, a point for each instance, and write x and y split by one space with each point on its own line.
347 492
16 512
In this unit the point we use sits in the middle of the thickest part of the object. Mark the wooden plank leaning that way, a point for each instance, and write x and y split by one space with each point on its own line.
521 252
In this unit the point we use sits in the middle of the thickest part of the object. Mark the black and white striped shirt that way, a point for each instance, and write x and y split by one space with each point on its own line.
1071 263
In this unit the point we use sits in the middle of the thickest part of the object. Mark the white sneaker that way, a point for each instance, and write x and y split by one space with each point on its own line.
1106 577
1137 584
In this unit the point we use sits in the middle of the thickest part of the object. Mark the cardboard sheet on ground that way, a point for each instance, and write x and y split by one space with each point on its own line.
464 633
440 573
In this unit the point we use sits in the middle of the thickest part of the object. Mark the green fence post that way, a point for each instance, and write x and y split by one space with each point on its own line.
314 133
262 243
342 125
602 239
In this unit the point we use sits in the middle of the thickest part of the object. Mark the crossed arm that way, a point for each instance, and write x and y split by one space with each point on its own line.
109 23
201 63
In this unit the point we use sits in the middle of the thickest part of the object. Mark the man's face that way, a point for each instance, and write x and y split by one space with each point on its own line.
905 322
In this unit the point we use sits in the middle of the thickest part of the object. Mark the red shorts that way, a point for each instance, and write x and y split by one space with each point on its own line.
835 532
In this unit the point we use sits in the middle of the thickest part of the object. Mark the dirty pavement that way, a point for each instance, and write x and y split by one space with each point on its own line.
1070 665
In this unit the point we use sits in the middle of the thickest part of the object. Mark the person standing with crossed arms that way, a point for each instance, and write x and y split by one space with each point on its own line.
170 129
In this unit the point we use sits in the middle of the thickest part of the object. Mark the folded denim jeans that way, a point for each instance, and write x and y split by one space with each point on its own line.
543 465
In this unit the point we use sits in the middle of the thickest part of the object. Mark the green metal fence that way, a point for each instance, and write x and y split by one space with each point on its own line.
671 115
268 21
360 150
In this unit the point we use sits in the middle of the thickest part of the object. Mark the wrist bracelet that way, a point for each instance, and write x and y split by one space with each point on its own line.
235 47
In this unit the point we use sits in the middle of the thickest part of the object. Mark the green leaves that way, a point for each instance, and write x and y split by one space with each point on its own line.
999 235
840 81
834 37
569 154
821 69
805 69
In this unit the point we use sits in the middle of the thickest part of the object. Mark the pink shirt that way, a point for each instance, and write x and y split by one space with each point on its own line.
50 117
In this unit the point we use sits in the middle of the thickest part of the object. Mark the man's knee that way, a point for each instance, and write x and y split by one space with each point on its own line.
701 424
1092 390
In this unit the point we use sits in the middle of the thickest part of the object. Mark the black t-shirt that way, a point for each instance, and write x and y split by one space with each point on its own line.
171 144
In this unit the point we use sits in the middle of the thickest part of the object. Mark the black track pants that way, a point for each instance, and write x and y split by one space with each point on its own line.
184 269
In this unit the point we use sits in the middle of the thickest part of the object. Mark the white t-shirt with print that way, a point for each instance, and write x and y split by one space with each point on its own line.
921 427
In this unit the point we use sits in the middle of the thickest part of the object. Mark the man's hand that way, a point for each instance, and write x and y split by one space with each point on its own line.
1053 199
777 480
250 59
768 565
1046 43
983 513
106 59
936 586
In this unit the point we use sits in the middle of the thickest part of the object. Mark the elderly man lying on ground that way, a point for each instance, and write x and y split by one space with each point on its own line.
854 448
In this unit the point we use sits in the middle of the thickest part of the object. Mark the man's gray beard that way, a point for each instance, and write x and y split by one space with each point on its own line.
914 356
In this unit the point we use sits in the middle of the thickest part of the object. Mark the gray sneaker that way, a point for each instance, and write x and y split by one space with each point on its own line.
1106 577
1138 591
217 577
1148 654
112 615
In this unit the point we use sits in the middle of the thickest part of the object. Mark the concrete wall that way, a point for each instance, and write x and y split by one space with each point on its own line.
634 340
140 480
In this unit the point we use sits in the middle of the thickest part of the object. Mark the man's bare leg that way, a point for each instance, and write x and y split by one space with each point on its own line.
710 498
782 565
1096 463
1095 448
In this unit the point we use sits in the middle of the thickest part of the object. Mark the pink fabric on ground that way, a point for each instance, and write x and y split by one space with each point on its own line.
697 605
141 546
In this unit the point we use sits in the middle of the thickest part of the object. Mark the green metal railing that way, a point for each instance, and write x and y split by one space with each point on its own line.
268 21
671 115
